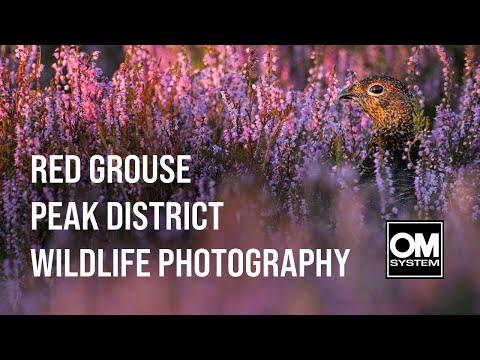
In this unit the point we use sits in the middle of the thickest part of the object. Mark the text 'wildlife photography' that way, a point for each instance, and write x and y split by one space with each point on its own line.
239 179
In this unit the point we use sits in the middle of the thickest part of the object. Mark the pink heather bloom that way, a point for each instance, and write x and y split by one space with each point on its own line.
447 74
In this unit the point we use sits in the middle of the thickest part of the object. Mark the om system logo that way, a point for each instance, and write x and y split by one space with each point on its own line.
415 249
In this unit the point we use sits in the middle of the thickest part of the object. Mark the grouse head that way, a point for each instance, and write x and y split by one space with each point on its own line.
386 100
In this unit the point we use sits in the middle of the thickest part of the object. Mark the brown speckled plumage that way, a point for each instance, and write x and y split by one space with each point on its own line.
389 104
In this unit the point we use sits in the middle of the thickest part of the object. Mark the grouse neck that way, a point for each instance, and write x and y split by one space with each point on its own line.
393 130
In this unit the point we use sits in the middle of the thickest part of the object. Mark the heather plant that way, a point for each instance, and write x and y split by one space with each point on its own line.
450 151
263 118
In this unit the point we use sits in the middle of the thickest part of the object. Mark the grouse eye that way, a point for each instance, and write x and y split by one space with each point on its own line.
376 89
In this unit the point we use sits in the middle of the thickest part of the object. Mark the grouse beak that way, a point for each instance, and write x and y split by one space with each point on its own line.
347 95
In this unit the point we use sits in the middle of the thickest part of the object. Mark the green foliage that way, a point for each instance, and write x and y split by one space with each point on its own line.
420 120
